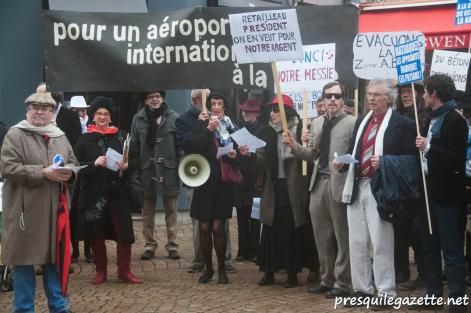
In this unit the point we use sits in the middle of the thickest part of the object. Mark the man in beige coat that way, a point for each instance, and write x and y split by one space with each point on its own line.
31 201
330 133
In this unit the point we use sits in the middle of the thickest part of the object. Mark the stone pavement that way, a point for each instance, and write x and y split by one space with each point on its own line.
169 288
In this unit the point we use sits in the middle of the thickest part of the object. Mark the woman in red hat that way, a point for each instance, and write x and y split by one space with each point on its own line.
248 228
283 199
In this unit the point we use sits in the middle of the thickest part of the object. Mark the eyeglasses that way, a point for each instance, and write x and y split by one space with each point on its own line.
154 96
375 95
275 110
337 96
40 108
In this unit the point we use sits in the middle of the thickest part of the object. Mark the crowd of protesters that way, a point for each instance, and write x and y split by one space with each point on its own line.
350 223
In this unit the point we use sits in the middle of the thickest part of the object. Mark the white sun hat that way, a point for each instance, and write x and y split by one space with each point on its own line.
78 102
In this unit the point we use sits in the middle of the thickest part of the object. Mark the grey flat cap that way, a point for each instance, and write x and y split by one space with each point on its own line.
43 98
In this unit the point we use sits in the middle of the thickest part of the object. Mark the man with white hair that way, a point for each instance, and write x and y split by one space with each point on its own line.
379 133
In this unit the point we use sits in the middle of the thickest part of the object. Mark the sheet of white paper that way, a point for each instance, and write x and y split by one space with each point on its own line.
112 158
244 138
75 168
346 158
255 209
224 150
69 167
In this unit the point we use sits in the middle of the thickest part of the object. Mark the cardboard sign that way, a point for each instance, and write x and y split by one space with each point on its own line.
373 53
312 96
266 36
408 64
453 64
316 69
463 12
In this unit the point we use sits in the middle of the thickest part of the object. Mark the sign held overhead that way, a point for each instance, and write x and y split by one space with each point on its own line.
266 36
373 53
453 64
408 64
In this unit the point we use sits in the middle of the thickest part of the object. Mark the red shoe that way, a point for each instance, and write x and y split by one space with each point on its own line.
130 278
100 278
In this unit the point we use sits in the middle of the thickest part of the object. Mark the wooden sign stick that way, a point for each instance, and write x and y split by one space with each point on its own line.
304 163
284 122
421 164
204 109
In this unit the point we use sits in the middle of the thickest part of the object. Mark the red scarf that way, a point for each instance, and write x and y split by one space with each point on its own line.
108 131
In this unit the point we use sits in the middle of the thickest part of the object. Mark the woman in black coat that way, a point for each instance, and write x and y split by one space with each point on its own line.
101 203
213 201
407 225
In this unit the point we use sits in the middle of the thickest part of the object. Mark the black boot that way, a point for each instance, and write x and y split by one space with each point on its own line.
267 279
291 281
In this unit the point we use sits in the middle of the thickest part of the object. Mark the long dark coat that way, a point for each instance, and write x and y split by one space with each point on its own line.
204 196
98 186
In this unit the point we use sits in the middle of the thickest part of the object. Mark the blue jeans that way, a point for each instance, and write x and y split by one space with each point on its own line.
25 285
448 236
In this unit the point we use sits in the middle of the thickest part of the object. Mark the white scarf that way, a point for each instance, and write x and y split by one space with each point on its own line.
379 141
50 130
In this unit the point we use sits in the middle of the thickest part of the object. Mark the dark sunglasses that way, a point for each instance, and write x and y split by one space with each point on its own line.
275 110
337 96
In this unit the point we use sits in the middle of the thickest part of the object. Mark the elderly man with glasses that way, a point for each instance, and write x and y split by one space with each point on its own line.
381 133
31 202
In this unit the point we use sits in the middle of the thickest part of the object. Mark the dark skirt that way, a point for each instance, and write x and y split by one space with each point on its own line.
219 207
281 245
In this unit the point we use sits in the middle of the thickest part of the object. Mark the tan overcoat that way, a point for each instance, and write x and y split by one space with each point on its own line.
23 156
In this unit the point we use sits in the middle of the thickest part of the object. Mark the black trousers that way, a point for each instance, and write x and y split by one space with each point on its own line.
248 232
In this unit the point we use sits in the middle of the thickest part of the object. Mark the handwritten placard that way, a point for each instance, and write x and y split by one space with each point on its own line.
453 64
266 36
316 69
373 53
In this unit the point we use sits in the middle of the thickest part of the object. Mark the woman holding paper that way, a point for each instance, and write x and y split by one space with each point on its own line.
282 208
213 201
101 203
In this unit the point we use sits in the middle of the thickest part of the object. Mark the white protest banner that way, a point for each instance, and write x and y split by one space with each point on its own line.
316 69
311 74
463 12
408 65
453 64
266 36
373 53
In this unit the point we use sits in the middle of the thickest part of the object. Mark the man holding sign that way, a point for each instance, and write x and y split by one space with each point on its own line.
444 151
330 134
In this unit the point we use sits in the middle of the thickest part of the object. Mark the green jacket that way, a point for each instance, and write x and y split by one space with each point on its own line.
157 168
